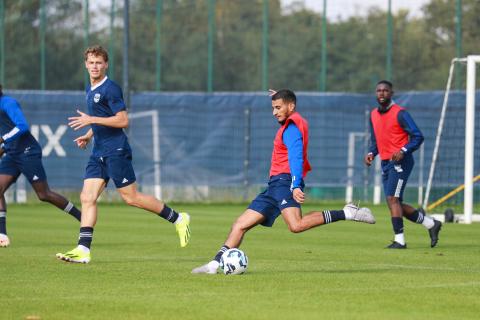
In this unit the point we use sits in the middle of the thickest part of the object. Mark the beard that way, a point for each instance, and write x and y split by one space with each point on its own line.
385 103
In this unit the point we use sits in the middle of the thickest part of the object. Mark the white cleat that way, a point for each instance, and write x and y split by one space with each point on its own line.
355 213
4 241
209 268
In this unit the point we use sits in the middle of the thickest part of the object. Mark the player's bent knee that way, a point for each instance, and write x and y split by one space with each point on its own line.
43 196
239 227
392 200
296 228
130 200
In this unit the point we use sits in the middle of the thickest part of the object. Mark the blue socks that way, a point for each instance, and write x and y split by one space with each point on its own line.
168 214
85 237
3 222
330 216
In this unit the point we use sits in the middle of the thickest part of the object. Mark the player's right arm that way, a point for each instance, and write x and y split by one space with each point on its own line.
373 150
83 141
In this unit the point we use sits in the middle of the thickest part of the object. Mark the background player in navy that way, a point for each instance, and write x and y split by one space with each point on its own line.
284 194
395 136
111 157
22 154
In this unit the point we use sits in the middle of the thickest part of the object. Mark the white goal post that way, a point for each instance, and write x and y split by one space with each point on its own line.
468 215
153 114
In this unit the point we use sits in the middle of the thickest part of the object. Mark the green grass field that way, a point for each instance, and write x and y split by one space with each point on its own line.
138 270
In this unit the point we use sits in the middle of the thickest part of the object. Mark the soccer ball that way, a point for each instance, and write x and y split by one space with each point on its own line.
234 261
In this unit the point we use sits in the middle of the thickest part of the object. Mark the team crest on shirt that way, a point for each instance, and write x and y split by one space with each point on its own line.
96 97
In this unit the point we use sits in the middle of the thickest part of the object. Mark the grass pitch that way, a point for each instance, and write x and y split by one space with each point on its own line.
138 270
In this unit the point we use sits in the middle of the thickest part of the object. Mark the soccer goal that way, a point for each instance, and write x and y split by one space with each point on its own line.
453 181
151 151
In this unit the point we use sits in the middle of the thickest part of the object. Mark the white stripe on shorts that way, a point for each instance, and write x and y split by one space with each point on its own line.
399 188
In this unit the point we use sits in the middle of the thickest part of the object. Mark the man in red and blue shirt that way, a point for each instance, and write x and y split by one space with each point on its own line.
395 136
284 194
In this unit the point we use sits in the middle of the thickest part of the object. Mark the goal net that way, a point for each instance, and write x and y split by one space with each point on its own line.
453 187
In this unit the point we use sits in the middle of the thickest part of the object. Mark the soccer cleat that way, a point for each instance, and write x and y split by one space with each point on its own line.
209 268
359 214
434 231
76 255
4 240
396 245
183 229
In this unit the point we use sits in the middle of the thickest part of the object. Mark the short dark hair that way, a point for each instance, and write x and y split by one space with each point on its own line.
1 92
96 51
285 94
386 82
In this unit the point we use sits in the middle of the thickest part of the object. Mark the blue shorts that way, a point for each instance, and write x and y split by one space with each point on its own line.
30 164
277 197
395 176
118 167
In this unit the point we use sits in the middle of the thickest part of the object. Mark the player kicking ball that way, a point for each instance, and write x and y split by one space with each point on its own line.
284 194
111 157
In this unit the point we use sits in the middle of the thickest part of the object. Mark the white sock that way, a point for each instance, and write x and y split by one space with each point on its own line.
178 219
428 222
400 238
348 214
213 265
83 248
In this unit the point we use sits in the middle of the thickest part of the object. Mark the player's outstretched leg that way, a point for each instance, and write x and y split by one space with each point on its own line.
45 194
137 199
354 213
249 219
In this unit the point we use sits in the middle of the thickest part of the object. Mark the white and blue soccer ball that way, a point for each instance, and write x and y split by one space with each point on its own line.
234 261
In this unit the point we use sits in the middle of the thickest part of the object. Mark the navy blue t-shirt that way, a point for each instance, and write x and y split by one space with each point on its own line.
14 128
105 100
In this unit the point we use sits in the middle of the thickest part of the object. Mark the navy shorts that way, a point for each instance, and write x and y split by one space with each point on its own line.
117 167
277 197
395 176
30 164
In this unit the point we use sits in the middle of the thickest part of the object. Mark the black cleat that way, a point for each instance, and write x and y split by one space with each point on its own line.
396 245
433 232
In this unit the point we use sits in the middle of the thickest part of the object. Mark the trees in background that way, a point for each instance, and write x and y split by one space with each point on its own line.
422 48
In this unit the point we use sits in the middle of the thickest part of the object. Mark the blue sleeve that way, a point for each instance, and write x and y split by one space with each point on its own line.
115 99
373 149
292 138
416 136
12 109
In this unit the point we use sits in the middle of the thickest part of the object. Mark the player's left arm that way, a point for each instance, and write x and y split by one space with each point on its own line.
415 135
292 138
14 112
